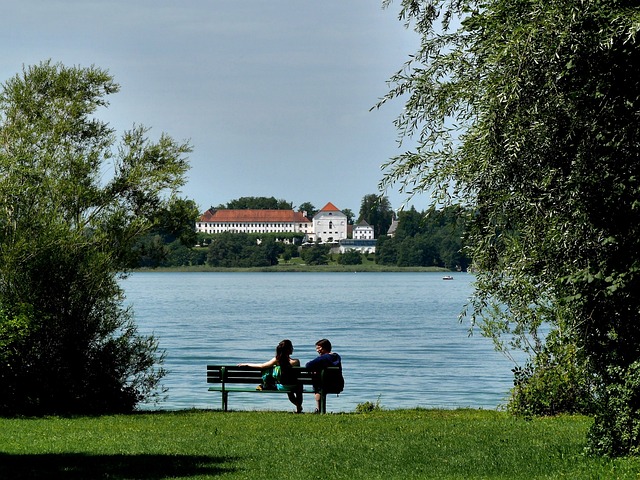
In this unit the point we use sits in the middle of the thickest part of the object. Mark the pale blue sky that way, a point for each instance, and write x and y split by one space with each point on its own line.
273 95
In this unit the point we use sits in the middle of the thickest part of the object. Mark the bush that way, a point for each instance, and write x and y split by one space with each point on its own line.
555 382
315 255
74 349
368 407
616 427
350 257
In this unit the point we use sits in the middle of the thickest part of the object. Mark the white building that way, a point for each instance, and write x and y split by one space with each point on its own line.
329 225
254 221
363 240
363 231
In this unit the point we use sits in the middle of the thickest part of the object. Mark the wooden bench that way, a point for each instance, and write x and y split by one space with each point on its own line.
231 378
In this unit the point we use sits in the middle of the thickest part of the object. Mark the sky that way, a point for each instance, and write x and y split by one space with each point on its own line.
274 96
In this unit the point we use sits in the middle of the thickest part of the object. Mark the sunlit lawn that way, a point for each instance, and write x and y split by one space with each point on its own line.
451 444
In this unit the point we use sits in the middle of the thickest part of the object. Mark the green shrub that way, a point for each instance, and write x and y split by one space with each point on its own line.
315 255
350 257
616 427
368 407
556 381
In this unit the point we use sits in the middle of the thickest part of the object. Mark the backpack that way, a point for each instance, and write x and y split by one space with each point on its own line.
335 380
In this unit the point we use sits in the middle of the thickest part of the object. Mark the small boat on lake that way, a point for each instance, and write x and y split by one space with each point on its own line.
447 277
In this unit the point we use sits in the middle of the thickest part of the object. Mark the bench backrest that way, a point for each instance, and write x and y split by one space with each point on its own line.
234 374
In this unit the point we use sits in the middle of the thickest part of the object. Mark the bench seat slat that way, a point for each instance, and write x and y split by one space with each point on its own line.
218 388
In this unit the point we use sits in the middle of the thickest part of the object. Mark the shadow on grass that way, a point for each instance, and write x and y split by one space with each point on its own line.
95 467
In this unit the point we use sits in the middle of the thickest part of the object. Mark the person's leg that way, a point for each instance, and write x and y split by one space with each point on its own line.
295 397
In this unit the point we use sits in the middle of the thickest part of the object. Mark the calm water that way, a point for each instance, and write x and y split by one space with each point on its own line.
397 333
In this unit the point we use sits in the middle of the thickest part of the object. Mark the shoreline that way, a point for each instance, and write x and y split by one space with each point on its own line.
297 268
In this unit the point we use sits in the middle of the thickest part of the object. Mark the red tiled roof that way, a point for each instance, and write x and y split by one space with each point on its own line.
258 216
330 207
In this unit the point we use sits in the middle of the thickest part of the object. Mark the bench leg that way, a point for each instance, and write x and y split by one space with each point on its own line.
225 400
323 403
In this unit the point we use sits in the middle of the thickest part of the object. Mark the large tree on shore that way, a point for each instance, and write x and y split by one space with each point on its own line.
528 112
73 202
376 211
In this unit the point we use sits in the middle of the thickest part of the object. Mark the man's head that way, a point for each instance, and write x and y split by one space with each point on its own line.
323 346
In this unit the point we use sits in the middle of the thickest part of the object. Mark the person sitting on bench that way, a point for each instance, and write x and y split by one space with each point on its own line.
281 370
326 358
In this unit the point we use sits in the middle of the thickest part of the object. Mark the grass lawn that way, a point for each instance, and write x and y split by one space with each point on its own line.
402 444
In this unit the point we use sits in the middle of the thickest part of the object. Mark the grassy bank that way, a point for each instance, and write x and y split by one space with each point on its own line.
458 444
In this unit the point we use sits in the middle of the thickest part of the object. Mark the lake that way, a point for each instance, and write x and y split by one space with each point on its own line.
398 335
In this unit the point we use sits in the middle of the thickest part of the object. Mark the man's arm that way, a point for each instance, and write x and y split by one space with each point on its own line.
319 362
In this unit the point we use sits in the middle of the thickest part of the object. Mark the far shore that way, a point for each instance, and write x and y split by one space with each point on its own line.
297 268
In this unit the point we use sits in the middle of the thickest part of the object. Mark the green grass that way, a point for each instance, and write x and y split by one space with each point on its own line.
404 444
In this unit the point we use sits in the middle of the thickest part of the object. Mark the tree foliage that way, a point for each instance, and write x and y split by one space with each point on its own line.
170 240
426 239
554 381
349 214
528 113
376 211
257 203
309 208
243 250
317 254
350 257
67 230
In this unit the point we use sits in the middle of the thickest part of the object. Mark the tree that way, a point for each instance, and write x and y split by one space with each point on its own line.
225 249
315 255
258 203
446 228
243 250
410 223
349 214
527 113
433 238
290 251
418 250
67 230
386 250
350 257
309 208
376 211
173 230
176 221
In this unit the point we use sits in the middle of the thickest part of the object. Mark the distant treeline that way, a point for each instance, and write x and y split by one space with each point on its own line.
426 239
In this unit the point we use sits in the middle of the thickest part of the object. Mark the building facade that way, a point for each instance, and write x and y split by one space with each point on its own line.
329 225
363 240
363 231
254 221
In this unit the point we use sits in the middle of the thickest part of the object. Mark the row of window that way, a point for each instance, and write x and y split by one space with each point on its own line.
251 225
256 230
331 223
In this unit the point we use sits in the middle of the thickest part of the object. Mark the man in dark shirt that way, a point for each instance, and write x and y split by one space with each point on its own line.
326 358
